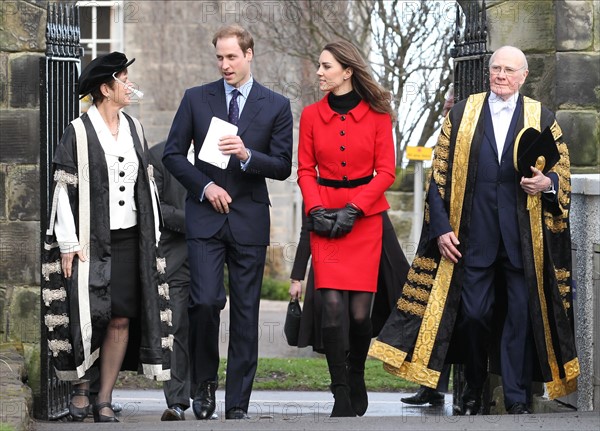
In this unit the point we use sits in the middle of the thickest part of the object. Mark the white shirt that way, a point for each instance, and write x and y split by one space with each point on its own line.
502 112
122 164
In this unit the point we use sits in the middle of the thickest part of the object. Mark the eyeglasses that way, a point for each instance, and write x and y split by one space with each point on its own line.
129 86
509 71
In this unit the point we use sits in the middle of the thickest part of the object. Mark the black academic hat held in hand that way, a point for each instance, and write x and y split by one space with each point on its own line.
100 70
530 145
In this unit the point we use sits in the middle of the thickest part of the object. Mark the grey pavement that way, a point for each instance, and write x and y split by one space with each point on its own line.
273 410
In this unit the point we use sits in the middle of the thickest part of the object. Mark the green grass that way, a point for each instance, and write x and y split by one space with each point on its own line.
297 374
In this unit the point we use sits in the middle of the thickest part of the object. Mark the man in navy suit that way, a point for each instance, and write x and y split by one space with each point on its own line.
227 214
484 218
497 238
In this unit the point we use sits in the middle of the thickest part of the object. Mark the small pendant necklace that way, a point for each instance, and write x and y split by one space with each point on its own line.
118 127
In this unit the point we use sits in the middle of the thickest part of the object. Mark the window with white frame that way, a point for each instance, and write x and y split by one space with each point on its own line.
101 25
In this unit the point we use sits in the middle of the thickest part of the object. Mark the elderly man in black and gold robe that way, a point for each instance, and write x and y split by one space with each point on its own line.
486 222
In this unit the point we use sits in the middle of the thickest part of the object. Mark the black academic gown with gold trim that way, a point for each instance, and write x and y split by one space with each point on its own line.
415 342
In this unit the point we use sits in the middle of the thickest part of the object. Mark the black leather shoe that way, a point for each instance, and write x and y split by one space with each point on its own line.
79 413
423 396
174 413
471 402
98 417
236 413
518 409
204 403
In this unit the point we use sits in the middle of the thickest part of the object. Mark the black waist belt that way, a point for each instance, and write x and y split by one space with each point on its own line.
346 184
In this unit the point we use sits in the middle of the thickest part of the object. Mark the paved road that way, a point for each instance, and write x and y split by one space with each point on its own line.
271 410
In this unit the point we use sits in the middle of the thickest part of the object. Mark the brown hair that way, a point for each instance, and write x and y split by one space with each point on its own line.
363 82
96 93
245 40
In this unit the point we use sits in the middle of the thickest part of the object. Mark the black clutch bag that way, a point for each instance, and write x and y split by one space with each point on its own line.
291 327
533 148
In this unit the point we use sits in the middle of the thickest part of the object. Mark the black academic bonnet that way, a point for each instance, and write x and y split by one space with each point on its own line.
100 70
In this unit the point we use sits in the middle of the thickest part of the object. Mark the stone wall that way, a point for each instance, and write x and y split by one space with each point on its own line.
22 44
562 42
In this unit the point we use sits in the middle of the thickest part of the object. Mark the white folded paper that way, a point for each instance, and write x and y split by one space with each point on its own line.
209 152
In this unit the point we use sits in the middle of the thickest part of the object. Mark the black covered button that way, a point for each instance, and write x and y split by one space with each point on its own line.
343 163
343 118
121 203
342 133
121 174
122 188
342 148
345 178
121 159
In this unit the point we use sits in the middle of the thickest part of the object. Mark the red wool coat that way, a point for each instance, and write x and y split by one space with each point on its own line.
338 147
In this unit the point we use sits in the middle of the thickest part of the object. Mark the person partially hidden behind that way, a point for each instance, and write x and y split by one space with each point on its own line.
227 215
483 216
173 246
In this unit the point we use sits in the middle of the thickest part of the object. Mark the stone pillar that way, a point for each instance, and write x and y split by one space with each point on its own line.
22 43
585 233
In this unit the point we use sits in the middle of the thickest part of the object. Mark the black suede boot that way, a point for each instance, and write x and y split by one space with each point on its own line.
360 340
336 361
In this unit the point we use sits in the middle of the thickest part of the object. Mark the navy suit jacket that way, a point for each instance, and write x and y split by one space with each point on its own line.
266 128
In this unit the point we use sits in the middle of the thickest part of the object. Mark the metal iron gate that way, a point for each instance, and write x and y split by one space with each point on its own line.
471 75
59 104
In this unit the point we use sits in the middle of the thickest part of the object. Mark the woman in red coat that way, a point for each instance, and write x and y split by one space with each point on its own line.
345 164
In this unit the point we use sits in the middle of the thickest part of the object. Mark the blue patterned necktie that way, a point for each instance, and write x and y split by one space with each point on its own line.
234 109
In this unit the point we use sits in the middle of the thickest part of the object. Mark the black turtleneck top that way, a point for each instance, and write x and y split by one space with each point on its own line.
344 103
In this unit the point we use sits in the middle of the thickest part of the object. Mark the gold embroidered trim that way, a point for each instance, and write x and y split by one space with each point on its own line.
54 320
533 111
560 387
161 265
564 289
387 354
414 292
49 295
424 263
167 316
420 278
57 346
63 177
556 131
410 307
562 274
51 268
555 224
167 342
163 290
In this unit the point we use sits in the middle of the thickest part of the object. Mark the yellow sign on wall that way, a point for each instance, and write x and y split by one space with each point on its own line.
419 153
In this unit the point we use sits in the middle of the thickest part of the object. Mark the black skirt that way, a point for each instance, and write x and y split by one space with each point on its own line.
125 285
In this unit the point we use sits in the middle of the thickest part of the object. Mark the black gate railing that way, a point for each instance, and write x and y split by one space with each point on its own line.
471 75
59 73
471 57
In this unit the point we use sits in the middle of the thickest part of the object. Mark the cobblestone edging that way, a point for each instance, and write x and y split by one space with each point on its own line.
16 398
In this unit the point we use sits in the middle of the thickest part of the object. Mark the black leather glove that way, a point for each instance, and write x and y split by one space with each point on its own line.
345 221
321 221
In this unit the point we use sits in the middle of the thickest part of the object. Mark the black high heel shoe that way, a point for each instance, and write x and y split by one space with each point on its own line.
79 413
103 418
